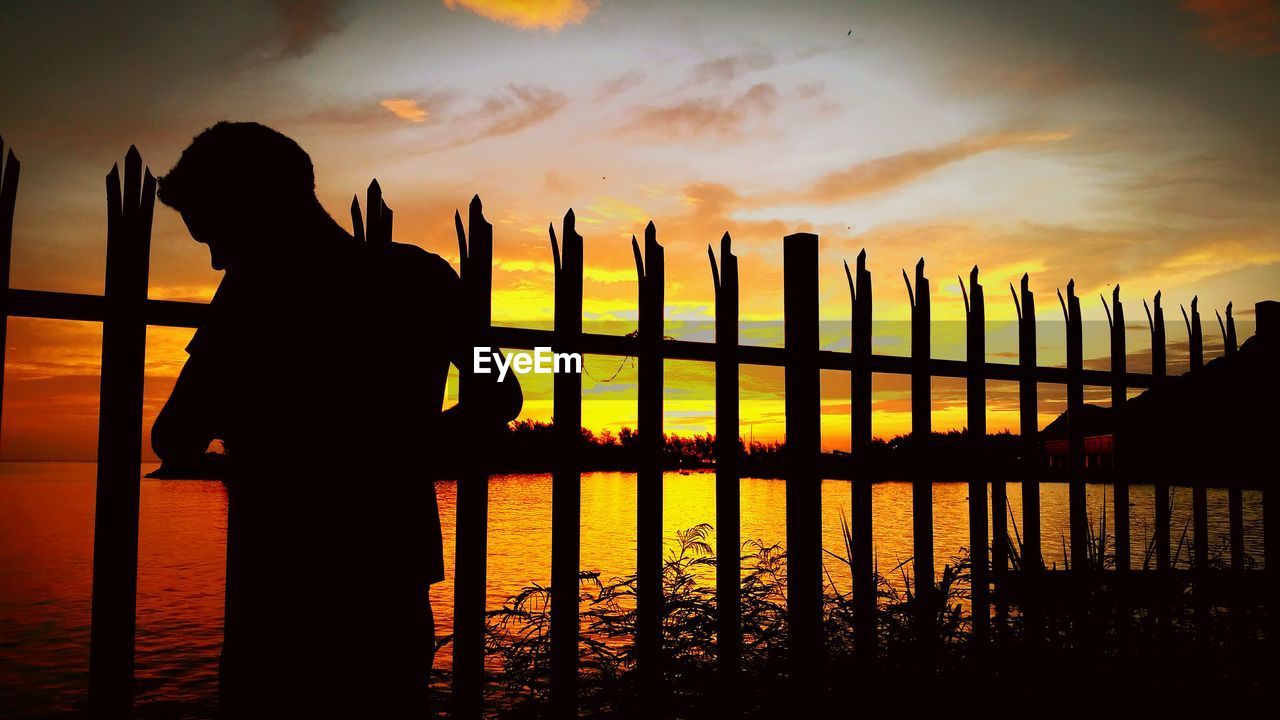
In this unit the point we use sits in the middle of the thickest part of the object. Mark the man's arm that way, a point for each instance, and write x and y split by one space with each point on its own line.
187 423
486 405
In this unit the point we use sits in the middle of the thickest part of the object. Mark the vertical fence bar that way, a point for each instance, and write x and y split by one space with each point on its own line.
976 397
8 199
566 481
1120 480
1079 519
1159 367
124 344
863 570
1235 518
475 249
803 443
1199 494
1195 335
1267 339
728 495
1235 495
921 427
1119 394
1228 332
1029 424
650 267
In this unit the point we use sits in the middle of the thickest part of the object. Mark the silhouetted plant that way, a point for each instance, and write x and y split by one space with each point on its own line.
518 634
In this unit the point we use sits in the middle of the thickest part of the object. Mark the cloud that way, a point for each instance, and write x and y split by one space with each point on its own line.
558 183
304 23
614 87
723 70
417 106
891 171
522 106
810 91
1249 27
529 14
405 109
705 115
1036 79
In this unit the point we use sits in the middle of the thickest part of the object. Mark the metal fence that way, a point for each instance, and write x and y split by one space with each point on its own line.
125 311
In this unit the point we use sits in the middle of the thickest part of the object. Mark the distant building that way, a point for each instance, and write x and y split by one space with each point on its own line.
1217 423
1099 438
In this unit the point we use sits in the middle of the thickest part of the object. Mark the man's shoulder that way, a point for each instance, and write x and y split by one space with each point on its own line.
413 268
416 260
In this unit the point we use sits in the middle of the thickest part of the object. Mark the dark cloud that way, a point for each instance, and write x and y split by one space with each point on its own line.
304 23
1035 78
1248 27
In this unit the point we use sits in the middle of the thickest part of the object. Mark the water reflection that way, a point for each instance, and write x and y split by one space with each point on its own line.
46 543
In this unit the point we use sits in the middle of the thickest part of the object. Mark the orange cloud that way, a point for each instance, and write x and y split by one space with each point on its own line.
722 70
1251 27
405 109
529 14
705 115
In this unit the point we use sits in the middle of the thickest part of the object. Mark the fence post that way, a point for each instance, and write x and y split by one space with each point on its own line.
124 344
475 252
1159 363
728 491
976 397
921 426
8 198
650 269
1119 394
1120 481
1199 493
1029 426
863 570
1228 332
1235 495
1079 519
566 482
803 445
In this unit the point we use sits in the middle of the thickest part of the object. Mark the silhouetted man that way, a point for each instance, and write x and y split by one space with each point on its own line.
322 368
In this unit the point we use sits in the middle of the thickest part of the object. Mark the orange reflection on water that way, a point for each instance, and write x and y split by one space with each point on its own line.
46 543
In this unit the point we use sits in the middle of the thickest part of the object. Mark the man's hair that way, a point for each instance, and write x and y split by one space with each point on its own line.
242 162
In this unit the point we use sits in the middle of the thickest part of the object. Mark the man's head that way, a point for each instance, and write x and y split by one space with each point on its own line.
239 186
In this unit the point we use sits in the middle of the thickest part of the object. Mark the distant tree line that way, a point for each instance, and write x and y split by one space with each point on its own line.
531 446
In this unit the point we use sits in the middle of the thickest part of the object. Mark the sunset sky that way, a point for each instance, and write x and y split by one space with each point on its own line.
1131 142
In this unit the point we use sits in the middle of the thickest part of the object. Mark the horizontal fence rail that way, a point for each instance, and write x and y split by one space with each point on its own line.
125 312
48 305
